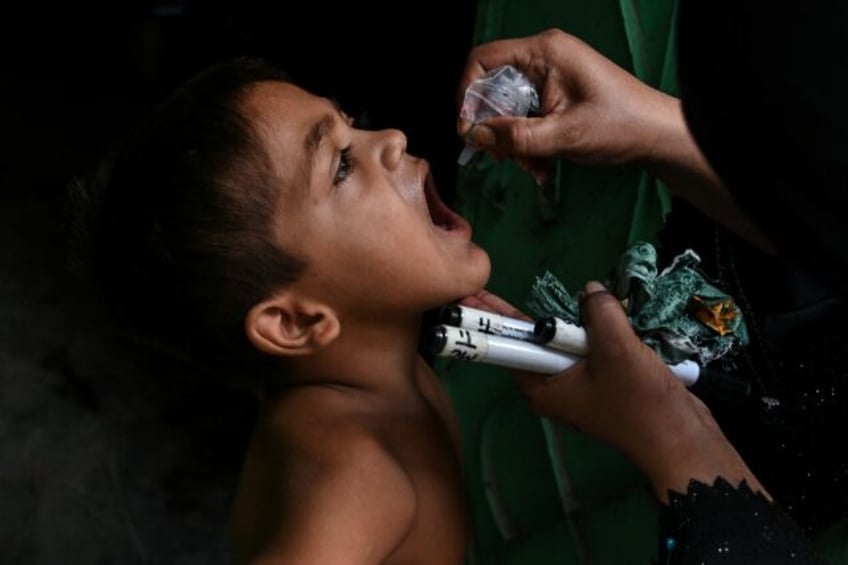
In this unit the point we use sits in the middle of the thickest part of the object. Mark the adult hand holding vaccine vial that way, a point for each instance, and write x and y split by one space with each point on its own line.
504 91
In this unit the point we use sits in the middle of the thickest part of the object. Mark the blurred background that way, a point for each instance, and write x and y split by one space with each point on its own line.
106 457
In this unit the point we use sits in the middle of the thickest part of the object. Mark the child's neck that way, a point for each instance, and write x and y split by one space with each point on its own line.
379 357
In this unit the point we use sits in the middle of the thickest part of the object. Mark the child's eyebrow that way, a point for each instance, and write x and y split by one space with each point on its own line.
313 139
317 133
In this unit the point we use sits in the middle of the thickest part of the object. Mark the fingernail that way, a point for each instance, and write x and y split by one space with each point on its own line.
481 136
594 286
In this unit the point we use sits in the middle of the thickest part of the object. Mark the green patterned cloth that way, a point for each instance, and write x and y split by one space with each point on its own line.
676 311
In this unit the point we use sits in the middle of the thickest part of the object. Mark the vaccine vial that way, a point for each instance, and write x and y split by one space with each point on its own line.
504 91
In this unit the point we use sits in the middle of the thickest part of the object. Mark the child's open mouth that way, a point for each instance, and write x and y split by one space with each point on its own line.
440 214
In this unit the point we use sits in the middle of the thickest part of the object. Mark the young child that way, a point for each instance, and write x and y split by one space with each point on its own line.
250 225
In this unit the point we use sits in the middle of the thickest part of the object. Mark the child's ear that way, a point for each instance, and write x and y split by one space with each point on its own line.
289 325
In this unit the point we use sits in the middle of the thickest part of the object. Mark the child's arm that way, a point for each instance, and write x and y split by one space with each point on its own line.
344 500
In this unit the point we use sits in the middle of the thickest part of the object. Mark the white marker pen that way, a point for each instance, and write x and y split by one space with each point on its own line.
559 334
487 322
471 345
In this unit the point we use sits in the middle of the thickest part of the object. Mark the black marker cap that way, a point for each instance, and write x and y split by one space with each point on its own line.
451 315
545 329
435 339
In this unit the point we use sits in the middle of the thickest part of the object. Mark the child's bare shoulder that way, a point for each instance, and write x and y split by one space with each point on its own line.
326 435
339 488
326 424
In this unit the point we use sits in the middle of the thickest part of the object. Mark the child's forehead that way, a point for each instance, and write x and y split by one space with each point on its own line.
285 106
285 116
292 123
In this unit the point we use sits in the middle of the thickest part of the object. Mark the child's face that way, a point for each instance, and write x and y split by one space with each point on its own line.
364 214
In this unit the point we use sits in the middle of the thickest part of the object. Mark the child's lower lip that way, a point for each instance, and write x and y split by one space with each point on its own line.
459 228
452 224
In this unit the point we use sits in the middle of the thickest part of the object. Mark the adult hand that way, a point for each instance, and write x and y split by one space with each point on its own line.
624 395
595 112
592 110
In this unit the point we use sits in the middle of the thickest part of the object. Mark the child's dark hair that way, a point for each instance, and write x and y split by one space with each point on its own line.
176 224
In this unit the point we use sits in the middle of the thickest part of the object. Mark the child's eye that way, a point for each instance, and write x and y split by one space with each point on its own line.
346 166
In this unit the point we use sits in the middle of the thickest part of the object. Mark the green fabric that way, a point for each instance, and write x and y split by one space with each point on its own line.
676 312
539 493
832 543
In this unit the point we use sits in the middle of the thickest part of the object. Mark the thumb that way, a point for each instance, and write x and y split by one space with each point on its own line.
516 137
604 318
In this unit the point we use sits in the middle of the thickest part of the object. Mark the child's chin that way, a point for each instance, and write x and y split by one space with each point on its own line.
473 279
485 272
475 286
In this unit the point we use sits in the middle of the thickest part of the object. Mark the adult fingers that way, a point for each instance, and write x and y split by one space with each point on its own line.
605 320
521 137
487 56
560 397
485 300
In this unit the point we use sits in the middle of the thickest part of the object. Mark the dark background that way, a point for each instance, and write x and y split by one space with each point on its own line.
107 456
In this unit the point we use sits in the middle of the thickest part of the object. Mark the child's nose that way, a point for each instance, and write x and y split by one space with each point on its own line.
392 147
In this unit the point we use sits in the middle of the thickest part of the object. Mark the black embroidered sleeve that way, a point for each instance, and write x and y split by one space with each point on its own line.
721 524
